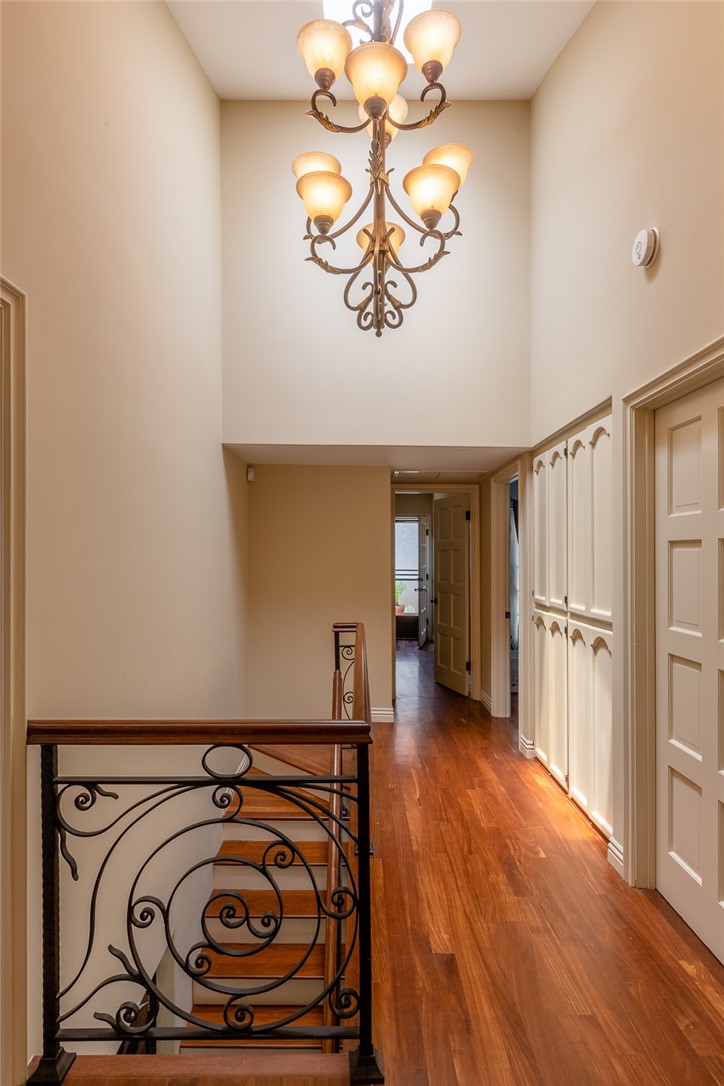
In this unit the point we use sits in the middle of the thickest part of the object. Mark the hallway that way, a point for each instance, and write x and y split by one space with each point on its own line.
507 950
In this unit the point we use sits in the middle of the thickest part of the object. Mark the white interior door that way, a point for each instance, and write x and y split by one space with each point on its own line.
689 512
451 543
423 581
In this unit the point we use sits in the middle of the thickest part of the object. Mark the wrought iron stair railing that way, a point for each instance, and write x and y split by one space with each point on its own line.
101 831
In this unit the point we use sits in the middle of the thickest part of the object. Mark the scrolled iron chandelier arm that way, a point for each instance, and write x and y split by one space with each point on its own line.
376 69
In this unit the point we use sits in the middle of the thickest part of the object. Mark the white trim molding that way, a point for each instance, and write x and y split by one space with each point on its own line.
526 746
487 701
385 715
615 855
13 810
638 655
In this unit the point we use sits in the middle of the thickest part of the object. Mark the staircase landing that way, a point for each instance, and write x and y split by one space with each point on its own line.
253 1069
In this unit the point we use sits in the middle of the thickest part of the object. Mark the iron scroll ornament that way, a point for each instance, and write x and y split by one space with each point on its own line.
112 814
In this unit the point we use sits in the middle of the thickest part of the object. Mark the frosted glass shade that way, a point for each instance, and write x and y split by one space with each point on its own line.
323 194
455 155
397 109
394 239
324 44
431 188
432 36
315 162
375 70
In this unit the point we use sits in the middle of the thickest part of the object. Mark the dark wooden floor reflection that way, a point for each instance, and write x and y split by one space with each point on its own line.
507 950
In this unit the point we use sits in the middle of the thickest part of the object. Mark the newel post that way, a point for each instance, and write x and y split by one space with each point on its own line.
365 1067
55 1062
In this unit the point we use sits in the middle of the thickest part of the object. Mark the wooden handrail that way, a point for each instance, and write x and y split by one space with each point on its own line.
196 732
361 705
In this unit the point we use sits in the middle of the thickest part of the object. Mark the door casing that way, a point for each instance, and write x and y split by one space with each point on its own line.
473 490
13 754
634 667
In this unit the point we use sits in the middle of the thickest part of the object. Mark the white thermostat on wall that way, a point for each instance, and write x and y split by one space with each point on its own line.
645 247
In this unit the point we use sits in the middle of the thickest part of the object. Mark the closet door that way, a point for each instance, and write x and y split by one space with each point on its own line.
540 530
689 517
557 528
573 553
590 654
551 693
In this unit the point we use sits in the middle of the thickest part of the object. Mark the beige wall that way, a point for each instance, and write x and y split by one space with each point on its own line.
319 549
136 517
297 370
627 132
111 221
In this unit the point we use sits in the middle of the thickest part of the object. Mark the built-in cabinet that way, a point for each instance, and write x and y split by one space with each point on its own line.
572 616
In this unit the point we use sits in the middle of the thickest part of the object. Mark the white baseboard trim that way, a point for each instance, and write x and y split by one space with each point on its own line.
383 716
486 700
615 855
526 746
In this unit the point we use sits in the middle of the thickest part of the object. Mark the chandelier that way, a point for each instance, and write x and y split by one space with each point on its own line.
376 69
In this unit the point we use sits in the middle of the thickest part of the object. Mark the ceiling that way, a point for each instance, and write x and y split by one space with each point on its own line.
248 50
248 47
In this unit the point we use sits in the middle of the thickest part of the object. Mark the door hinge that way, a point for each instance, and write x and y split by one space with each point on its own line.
467 665
565 601
565 450
568 786
467 514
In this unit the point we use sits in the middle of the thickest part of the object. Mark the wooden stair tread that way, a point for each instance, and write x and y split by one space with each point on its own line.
264 805
275 960
263 1015
314 852
310 759
297 903
252 1068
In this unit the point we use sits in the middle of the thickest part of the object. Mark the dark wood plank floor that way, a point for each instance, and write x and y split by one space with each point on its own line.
508 951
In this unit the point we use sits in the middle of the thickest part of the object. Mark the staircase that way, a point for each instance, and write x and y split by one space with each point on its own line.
245 970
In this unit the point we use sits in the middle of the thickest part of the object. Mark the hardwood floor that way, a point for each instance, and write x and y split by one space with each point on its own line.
507 949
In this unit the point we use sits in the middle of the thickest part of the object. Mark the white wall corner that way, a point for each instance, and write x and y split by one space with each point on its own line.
526 746
383 716
487 701
615 855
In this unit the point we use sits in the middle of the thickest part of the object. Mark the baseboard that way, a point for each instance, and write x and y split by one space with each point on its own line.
486 700
383 716
615 855
526 746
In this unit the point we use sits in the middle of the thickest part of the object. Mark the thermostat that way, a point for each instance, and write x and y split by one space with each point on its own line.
645 247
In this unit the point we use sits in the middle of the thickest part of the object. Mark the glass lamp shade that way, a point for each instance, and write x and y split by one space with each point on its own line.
323 194
397 109
315 162
324 44
455 155
432 36
375 70
431 188
394 239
